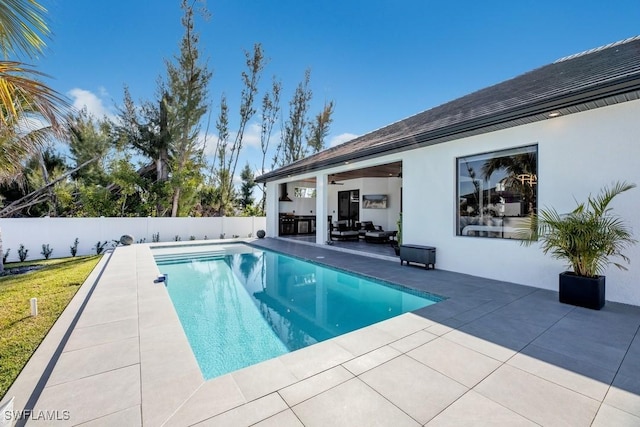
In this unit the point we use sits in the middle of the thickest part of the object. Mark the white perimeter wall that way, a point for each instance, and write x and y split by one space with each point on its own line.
60 233
578 154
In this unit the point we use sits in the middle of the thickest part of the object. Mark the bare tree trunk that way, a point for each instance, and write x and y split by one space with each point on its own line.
35 196
52 195
175 202
162 161
1 253
162 175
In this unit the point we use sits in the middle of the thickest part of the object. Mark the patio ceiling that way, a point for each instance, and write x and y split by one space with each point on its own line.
381 171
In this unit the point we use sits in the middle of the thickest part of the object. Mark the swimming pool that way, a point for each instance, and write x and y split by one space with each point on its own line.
240 305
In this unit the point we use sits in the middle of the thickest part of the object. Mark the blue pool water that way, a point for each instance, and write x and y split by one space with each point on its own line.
239 305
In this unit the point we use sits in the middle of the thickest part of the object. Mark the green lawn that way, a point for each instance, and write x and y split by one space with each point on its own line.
20 334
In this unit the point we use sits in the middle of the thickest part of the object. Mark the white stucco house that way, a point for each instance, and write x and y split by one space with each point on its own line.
466 173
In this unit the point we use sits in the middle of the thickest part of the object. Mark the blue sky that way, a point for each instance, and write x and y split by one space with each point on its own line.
379 61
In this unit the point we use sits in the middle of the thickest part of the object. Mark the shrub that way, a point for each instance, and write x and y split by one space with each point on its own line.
192 237
22 253
100 246
74 248
177 238
46 251
155 237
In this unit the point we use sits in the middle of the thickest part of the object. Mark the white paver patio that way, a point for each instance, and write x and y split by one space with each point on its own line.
492 354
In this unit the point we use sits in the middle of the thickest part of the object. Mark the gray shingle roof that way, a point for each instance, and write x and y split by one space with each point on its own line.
592 79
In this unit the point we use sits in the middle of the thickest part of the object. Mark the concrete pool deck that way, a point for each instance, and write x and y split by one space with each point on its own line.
493 353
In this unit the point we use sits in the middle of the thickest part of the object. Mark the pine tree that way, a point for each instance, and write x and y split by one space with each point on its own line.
246 189
292 147
319 129
186 104
300 136
88 139
228 152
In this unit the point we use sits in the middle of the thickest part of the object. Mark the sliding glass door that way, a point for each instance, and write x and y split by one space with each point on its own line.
349 206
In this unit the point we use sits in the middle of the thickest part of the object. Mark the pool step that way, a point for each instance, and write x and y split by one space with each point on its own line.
189 256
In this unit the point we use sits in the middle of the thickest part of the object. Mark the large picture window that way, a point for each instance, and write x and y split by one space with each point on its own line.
497 192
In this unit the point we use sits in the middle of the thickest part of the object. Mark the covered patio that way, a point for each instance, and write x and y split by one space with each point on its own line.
306 207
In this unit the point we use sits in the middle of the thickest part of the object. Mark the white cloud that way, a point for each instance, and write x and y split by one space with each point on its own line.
30 123
93 103
209 140
237 180
251 138
342 138
252 135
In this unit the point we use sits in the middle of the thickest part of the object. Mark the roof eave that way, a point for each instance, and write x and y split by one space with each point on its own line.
536 111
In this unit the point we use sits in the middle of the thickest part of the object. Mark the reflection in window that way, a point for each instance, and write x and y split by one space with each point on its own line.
304 192
497 192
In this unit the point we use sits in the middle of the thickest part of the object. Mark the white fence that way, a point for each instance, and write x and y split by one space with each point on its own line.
60 233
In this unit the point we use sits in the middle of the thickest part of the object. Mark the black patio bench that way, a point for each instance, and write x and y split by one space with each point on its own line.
419 254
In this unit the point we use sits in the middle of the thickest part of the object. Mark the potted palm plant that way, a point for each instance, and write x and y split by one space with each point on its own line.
588 238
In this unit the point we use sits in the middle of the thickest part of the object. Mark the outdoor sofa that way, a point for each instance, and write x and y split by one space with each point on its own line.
341 231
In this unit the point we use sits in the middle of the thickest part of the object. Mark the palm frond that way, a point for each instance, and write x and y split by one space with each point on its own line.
23 27
30 115
16 147
600 203
21 91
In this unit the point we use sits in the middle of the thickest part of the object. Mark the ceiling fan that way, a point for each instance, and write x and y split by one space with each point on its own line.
333 182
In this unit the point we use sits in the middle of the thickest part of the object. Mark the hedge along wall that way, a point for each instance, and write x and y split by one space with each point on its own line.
60 233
